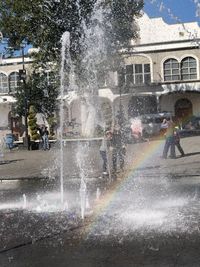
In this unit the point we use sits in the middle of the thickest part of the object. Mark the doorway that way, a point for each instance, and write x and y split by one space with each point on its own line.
183 109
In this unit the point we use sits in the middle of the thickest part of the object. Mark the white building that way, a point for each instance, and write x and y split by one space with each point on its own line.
9 78
160 73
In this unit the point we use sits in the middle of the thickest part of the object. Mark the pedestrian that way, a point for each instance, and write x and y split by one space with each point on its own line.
9 141
104 148
163 127
1 148
177 141
169 140
45 138
137 131
118 149
40 132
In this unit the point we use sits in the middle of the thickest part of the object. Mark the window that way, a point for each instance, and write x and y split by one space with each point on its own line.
3 83
188 69
13 81
171 70
134 74
147 73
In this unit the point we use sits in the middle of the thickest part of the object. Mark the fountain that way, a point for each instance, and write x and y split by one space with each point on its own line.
65 50
24 201
148 208
98 193
94 54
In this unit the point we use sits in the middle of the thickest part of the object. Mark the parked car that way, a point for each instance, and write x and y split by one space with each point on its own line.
151 123
192 123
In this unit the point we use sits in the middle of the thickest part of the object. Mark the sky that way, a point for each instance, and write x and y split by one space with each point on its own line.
172 11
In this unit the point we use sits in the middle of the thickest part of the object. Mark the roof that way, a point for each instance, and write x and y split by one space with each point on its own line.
155 30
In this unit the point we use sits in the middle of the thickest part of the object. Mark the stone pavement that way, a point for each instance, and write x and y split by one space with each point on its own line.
22 164
38 164
156 187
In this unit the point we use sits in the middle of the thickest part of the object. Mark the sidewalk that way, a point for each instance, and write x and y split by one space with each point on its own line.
22 164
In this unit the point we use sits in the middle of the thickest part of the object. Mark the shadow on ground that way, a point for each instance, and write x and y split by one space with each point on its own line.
10 161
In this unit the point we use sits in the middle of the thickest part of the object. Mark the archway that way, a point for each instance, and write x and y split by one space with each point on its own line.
140 105
183 109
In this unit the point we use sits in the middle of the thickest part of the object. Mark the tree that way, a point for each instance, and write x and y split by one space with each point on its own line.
40 91
32 123
42 23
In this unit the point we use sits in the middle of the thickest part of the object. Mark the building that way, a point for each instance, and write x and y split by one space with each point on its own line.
159 72
9 81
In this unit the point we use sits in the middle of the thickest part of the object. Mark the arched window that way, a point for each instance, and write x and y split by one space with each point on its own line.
13 81
188 68
171 70
3 83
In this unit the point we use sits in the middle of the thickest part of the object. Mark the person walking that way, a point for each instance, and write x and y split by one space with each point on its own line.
104 148
118 149
2 141
45 138
169 140
163 127
177 141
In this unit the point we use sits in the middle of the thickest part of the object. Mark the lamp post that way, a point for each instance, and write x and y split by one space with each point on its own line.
22 76
120 118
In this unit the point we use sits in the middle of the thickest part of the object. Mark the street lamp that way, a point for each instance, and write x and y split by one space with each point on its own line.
22 77
120 114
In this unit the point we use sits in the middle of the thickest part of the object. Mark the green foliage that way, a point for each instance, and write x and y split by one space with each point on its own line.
42 23
32 123
39 92
52 123
119 26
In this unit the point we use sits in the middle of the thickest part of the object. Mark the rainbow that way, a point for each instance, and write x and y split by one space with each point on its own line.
149 151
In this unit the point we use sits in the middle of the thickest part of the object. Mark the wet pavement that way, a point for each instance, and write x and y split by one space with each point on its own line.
149 216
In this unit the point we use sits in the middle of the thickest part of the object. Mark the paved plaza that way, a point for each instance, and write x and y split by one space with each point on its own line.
23 164
149 216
